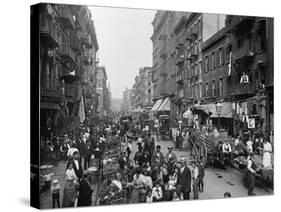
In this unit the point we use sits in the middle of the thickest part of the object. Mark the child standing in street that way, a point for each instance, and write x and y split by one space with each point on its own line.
55 191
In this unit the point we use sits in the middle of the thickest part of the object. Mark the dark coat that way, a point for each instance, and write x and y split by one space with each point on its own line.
184 179
79 173
87 152
85 194
122 162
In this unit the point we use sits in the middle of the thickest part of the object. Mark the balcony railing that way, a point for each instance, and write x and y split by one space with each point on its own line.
180 59
242 22
75 42
66 54
85 39
48 32
245 53
179 78
65 17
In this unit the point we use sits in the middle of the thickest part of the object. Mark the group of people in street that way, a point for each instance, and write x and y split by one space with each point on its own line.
154 176
78 152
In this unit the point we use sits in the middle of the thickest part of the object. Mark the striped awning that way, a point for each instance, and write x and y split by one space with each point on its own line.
156 105
166 105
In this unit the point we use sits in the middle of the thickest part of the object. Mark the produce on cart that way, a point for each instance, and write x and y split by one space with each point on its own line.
108 193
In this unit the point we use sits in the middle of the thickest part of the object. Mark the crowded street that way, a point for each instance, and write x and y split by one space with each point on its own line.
183 111
217 181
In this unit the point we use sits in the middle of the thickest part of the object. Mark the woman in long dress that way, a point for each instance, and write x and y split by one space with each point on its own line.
138 186
70 193
267 150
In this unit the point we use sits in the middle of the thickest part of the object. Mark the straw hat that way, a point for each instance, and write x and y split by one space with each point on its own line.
182 159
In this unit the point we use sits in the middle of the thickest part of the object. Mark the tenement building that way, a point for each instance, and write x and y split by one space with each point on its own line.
68 47
142 92
177 59
249 54
103 90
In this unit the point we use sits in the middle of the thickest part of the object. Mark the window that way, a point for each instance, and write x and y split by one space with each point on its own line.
213 88
240 43
206 64
206 89
200 67
200 90
213 61
228 52
149 92
220 56
221 87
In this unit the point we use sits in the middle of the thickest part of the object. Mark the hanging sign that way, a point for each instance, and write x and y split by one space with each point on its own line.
251 123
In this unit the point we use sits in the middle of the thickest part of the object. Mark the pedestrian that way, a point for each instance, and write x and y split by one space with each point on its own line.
138 158
195 178
70 173
226 150
266 159
85 190
71 150
183 179
129 148
171 155
157 193
251 174
87 153
76 164
149 197
138 183
70 193
48 180
158 154
122 160
55 191
201 175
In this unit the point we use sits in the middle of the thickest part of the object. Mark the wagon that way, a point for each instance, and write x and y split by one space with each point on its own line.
164 126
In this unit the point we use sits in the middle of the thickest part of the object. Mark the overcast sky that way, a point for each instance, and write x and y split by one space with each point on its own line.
124 43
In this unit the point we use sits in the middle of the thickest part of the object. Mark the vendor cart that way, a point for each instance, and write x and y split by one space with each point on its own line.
164 126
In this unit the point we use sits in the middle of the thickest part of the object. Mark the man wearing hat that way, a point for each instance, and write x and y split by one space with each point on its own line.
158 154
251 174
184 179
122 160
171 155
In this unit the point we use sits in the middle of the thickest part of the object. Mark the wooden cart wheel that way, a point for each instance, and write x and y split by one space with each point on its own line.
194 153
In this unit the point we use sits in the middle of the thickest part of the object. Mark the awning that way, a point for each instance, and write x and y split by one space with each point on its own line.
157 104
166 105
187 114
226 110
48 105
202 108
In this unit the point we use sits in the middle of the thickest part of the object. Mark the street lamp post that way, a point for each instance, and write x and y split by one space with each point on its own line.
218 109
